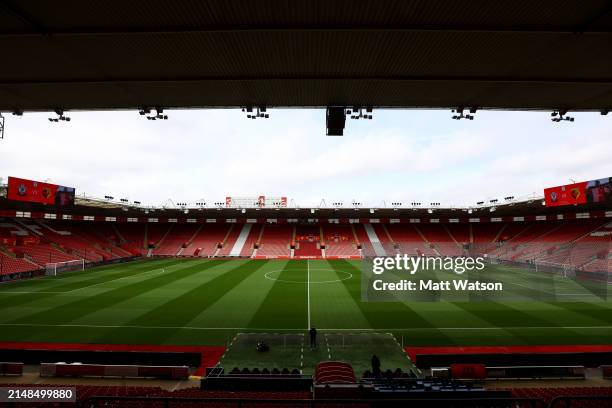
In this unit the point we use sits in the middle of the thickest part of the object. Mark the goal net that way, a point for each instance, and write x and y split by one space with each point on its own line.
54 268
561 269
493 260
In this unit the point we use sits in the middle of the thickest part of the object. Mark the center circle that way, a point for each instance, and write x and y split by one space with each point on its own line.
347 276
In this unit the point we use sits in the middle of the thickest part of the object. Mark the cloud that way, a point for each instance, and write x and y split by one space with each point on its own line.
404 155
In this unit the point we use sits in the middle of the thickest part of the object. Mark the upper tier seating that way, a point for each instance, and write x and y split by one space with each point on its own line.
461 233
438 236
583 244
105 234
63 234
249 245
339 241
172 243
134 236
385 239
230 239
307 240
409 240
367 250
275 240
207 240
307 249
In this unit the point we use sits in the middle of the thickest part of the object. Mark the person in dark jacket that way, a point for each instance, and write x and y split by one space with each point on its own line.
375 365
313 337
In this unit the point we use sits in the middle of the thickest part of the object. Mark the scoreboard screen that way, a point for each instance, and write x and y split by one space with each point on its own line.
594 191
39 192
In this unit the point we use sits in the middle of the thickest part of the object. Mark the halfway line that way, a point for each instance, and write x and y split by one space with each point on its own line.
308 290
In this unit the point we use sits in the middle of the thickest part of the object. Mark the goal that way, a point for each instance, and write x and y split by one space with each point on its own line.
560 269
54 268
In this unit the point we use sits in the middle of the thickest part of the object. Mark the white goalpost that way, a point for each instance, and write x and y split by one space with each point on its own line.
53 268
561 269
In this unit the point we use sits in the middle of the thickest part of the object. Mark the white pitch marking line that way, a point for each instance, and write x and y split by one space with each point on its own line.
301 330
308 290
27 293
163 270
327 344
136 275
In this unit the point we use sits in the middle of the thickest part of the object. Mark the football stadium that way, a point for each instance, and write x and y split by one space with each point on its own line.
479 281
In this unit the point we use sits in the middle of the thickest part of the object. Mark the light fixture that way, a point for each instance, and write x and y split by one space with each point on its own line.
60 116
259 112
158 114
458 113
357 113
561 115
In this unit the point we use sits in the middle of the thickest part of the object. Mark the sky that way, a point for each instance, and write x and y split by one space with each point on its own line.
398 156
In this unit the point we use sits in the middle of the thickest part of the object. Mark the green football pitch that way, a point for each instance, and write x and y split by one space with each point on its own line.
208 302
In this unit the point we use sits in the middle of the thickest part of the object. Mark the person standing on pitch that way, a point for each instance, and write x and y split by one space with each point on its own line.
375 366
313 337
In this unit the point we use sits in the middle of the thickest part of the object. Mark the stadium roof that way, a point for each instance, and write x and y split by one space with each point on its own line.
520 54
98 207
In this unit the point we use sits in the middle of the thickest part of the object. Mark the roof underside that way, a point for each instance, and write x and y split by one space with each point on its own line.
112 54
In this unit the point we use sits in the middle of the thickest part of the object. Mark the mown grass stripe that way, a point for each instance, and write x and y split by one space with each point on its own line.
600 311
285 305
84 306
100 276
182 309
382 314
